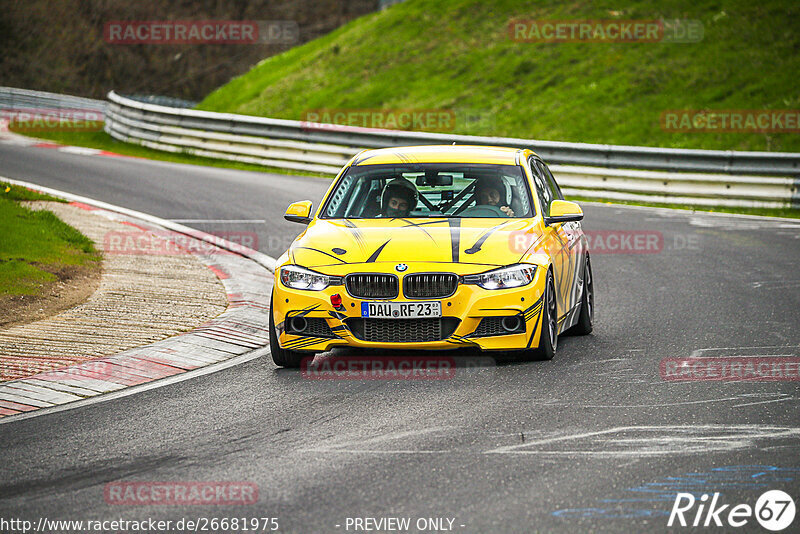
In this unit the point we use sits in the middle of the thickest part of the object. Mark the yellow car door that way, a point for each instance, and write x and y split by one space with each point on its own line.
556 241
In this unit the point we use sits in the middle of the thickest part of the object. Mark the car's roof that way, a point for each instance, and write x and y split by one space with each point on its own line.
438 154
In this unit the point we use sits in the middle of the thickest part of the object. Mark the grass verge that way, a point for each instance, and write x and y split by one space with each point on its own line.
37 248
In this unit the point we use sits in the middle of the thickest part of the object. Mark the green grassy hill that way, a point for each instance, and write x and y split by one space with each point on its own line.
458 55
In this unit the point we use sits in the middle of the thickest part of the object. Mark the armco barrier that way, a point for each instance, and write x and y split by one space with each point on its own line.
610 172
11 99
694 177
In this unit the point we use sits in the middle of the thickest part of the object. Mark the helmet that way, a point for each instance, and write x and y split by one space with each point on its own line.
496 183
401 188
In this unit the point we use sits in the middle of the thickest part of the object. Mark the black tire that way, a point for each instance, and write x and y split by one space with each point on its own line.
586 316
548 338
282 357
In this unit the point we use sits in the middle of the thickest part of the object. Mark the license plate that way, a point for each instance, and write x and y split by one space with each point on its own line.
401 310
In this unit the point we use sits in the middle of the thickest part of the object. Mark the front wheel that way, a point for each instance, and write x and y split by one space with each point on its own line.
586 317
548 338
282 357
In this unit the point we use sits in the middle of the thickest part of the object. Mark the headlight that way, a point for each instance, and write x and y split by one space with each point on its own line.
300 278
504 278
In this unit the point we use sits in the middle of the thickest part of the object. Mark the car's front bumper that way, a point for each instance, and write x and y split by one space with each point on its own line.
464 310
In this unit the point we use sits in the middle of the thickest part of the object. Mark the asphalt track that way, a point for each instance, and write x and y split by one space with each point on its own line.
595 440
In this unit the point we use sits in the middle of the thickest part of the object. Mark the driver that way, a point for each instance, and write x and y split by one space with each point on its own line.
488 193
399 197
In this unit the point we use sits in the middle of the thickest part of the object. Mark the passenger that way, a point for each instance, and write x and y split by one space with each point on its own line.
399 198
491 192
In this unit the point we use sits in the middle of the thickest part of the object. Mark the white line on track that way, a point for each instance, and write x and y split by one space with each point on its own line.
256 256
763 402
699 352
639 441
679 211
213 368
221 221
259 257
83 151
664 405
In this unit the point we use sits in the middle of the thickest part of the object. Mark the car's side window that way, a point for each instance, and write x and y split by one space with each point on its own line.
542 189
557 194
335 203
520 202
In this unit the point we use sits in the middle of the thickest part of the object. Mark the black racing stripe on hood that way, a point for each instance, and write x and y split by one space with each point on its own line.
533 245
482 239
437 221
377 253
356 232
417 225
455 236
323 252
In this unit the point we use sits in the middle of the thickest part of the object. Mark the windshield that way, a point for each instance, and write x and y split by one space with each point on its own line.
430 190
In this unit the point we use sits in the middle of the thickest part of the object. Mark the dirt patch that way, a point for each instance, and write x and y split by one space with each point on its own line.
75 284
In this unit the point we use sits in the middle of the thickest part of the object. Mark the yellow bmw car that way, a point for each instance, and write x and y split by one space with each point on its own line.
434 247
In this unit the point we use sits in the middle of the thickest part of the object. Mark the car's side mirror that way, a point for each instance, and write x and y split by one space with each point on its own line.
299 212
563 211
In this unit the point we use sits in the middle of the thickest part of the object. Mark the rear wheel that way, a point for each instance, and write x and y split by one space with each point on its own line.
548 337
282 357
586 317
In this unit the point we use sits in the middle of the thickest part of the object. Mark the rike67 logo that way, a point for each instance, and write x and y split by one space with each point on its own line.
774 510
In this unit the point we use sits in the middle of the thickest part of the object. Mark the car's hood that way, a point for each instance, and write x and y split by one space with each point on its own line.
351 241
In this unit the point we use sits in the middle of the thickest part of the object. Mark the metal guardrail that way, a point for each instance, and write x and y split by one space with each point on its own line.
679 188
168 101
15 99
612 156
696 177
599 171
